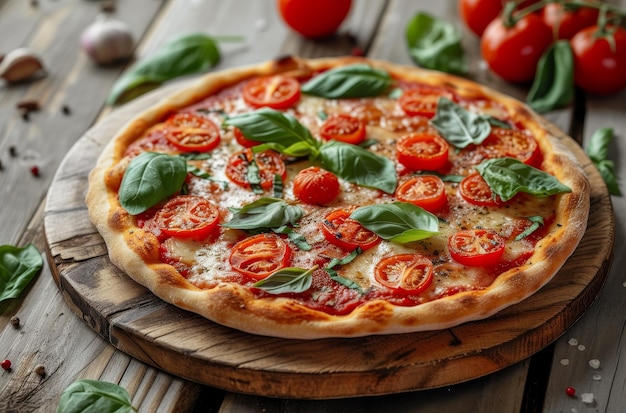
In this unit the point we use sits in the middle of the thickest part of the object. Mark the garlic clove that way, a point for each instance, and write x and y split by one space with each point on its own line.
107 40
19 65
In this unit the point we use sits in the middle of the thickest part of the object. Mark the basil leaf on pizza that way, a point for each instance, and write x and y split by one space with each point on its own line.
459 126
150 178
359 166
508 176
353 81
400 222
287 280
265 213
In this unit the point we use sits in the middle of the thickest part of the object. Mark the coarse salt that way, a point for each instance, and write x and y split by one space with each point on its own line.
596 377
587 398
594 363
573 342
581 347
564 362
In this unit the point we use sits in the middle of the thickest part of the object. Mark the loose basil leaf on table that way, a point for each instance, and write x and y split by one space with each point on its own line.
94 396
150 178
400 222
264 213
435 44
507 177
459 126
358 165
18 266
598 149
185 55
553 86
287 280
352 81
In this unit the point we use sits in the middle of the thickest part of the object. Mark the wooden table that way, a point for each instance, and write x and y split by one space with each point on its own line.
72 97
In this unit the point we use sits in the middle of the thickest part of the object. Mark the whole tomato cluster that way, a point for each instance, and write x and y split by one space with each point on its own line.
514 37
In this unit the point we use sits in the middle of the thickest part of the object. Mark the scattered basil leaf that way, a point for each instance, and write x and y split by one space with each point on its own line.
344 260
553 86
195 156
358 165
94 396
200 173
537 221
435 44
497 122
395 93
352 81
400 222
507 176
18 266
287 280
444 177
459 126
185 55
277 186
265 213
598 149
150 178
298 239
253 175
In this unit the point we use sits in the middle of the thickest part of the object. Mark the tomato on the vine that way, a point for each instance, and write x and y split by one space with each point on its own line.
276 92
344 128
422 151
268 164
513 52
314 185
313 19
408 273
346 233
425 191
187 216
477 14
260 255
476 247
568 19
599 61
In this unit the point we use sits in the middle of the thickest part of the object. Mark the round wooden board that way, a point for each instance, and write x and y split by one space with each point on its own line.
186 345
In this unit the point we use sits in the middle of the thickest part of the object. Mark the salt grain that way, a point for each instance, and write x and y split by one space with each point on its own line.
597 377
595 363
581 347
587 398
564 362
573 342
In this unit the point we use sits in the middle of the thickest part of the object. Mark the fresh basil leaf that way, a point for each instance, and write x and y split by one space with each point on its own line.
93 396
277 186
253 175
444 177
400 222
150 178
598 147
195 156
352 81
185 55
553 86
459 126
294 237
275 127
507 177
435 44
18 266
334 275
287 280
265 213
607 171
345 260
497 122
537 221
358 165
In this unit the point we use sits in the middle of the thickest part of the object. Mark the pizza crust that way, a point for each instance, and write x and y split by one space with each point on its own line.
135 251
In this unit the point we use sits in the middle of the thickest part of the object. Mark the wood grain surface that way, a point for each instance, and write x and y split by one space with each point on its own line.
184 344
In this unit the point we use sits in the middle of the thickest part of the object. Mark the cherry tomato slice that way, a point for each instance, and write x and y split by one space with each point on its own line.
475 190
347 233
242 140
187 216
422 152
408 273
426 191
154 141
476 247
512 143
192 133
260 255
268 162
276 92
315 185
420 102
344 128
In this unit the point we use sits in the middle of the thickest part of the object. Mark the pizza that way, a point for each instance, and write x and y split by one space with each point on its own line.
338 197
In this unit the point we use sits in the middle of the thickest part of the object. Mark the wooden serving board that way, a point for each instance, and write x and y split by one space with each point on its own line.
184 344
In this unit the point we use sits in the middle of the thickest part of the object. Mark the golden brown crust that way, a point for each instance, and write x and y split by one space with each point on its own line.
136 251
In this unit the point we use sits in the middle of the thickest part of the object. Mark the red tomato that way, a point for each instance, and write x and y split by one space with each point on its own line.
347 233
313 19
344 128
408 273
475 190
513 52
276 92
192 133
477 14
154 141
426 191
187 216
268 162
569 20
422 152
599 67
512 143
242 140
260 255
315 185
420 102
476 247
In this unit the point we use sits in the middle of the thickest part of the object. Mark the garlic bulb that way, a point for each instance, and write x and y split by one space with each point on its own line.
19 65
107 40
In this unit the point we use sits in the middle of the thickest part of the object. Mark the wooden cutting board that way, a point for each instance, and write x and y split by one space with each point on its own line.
184 344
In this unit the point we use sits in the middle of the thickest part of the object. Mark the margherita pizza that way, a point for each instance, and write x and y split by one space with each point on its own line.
338 197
